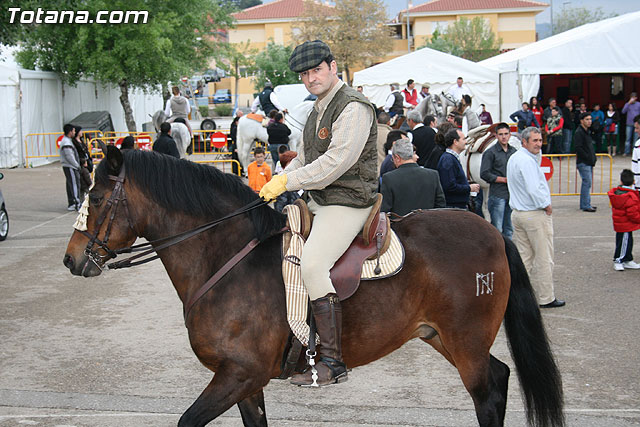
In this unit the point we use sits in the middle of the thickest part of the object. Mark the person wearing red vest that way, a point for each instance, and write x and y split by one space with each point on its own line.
625 207
410 93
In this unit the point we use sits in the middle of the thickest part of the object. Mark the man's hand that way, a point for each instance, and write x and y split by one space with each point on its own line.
474 187
274 188
548 210
633 99
501 179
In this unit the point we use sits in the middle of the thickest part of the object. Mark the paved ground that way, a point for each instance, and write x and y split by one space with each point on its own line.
112 351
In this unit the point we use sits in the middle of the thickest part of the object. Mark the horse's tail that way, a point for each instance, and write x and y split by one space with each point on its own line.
537 370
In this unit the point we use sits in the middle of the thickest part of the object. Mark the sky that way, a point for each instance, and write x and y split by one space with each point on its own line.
618 6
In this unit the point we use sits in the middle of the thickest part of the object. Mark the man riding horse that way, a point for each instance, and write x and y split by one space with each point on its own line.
337 167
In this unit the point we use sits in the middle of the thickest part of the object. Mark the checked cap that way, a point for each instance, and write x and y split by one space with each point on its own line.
308 55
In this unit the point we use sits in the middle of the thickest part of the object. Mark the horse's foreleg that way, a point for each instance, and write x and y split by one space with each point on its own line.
225 390
253 411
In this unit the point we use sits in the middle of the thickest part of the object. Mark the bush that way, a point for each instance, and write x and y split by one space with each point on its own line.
204 110
223 109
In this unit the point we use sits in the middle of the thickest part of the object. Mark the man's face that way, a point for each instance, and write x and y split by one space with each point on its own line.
503 136
411 86
552 103
320 80
260 158
450 119
459 82
586 122
554 112
460 142
534 144
359 89
425 89
569 103
525 107
636 127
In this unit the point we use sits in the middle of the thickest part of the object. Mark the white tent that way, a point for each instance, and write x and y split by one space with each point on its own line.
438 69
600 47
37 102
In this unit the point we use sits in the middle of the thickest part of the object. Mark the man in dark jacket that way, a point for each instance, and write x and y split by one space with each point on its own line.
568 126
421 136
409 186
585 160
454 182
278 135
165 143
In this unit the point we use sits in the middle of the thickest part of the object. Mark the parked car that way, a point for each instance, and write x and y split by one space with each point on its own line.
222 96
4 218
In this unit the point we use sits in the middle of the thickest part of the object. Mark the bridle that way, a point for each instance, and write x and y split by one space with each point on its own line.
118 196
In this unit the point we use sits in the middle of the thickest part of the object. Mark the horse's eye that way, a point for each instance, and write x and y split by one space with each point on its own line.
95 199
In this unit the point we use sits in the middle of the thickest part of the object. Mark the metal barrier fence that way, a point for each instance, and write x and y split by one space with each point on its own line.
224 162
565 180
45 145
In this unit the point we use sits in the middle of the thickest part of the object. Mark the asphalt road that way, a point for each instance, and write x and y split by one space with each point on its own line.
112 351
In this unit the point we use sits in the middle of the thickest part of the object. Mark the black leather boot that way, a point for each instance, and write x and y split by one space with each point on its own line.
327 313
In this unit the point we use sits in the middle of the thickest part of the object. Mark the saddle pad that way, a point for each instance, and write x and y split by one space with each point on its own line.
297 298
257 117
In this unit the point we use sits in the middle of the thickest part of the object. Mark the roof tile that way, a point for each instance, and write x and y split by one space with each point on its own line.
456 5
279 9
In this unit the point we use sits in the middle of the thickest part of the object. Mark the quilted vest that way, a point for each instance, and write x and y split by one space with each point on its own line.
357 187
397 106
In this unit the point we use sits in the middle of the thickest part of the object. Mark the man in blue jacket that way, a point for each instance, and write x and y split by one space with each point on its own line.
524 117
452 178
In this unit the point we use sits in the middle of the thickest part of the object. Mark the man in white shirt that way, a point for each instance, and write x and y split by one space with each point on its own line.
530 200
395 103
267 101
177 106
459 89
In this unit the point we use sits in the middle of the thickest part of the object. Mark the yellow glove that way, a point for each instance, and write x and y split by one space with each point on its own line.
274 188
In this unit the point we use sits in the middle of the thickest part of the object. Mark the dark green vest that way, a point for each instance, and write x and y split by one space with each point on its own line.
358 186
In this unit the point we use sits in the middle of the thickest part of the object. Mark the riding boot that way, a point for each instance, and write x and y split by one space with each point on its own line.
327 313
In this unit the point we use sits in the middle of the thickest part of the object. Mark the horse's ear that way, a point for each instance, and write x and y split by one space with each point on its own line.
113 157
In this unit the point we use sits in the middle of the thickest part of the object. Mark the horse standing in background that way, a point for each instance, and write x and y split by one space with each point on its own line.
250 129
179 132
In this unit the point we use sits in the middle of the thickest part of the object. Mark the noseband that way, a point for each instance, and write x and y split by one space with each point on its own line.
118 196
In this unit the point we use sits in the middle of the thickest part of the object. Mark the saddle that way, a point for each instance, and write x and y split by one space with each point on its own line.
370 244
257 117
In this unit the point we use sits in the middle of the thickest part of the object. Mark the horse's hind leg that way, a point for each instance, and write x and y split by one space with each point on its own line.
252 410
224 391
486 381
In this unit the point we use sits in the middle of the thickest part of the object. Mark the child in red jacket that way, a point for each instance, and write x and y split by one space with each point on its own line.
625 206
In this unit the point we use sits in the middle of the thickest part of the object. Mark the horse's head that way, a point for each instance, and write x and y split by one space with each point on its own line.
158 118
104 222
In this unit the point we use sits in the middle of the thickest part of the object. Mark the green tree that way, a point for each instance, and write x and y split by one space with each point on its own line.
470 39
573 17
272 64
355 30
178 38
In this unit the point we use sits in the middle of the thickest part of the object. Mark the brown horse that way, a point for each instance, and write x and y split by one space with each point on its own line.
460 280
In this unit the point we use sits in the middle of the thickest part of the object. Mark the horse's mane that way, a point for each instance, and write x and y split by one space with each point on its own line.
198 190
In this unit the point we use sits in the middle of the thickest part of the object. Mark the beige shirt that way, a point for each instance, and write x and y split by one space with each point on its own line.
349 133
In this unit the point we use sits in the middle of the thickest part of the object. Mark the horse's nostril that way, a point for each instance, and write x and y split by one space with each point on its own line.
68 261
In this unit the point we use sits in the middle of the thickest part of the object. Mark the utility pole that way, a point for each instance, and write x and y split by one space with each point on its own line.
551 10
408 30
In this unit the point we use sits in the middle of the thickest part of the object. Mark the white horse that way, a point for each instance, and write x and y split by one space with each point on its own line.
179 132
249 130
479 140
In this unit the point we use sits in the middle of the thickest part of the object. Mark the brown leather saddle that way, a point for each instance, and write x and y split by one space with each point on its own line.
371 243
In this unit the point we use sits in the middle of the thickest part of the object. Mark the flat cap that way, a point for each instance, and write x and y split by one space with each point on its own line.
308 55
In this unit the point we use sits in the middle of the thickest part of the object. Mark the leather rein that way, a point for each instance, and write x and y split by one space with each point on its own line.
118 196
